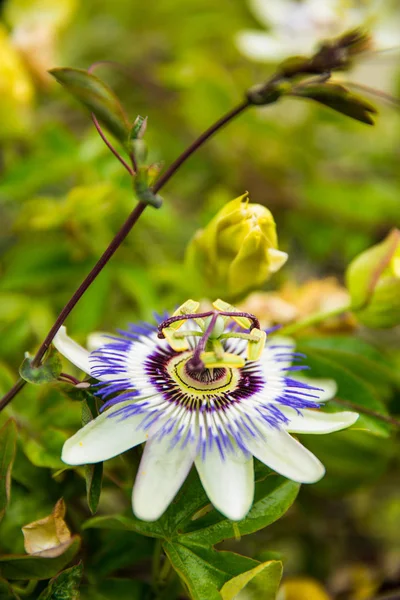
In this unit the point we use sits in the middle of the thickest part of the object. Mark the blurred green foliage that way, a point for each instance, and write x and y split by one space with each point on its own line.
332 185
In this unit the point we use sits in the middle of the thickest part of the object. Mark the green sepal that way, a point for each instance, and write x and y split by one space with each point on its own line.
262 94
138 128
136 144
143 191
47 372
339 99
97 96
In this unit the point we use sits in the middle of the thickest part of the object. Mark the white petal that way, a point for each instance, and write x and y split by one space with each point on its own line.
328 386
97 339
162 471
316 421
261 46
286 456
277 354
75 353
273 12
104 437
228 482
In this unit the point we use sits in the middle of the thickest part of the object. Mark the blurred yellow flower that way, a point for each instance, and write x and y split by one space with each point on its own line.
302 588
294 302
16 90
36 26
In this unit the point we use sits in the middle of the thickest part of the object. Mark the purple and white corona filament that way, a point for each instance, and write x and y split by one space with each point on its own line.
206 393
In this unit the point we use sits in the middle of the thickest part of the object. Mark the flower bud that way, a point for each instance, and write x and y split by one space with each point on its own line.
373 280
237 251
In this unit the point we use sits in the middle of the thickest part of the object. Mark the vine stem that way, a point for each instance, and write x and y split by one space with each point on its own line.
119 238
312 320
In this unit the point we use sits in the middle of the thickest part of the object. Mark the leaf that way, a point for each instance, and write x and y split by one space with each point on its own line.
21 566
65 586
97 97
351 458
338 98
45 450
212 575
260 582
47 372
8 440
121 523
364 360
204 570
352 388
273 497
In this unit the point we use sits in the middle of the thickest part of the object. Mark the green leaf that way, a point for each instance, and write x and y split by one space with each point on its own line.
273 497
44 450
8 440
204 570
47 372
351 458
338 98
351 388
93 473
16 566
121 523
260 582
65 586
212 575
97 97
364 360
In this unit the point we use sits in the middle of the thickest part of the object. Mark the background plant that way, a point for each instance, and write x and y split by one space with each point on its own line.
332 187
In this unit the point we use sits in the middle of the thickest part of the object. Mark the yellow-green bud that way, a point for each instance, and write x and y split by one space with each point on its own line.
373 280
237 251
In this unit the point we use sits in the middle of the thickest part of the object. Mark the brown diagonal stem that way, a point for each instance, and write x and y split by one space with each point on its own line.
117 241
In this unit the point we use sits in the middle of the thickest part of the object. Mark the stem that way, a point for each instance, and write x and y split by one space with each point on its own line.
199 142
13 392
117 241
103 260
156 563
367 411
312 320
113 150
27 590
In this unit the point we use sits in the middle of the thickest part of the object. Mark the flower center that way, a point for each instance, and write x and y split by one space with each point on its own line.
204 383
